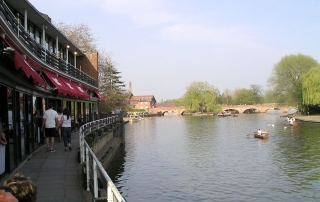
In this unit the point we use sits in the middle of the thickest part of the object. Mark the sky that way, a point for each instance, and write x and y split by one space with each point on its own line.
162 46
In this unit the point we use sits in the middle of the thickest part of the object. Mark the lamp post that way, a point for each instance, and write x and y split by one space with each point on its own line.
67 59
75 59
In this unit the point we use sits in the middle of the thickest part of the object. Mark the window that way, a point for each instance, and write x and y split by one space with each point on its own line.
31 31
38 36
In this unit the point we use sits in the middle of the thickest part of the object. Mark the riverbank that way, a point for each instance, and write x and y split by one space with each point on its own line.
315 118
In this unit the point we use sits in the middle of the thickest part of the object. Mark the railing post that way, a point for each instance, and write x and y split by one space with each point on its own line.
95 180
87 169
109 193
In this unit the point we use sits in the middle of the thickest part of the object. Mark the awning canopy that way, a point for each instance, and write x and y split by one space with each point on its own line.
99 95
75 89
58 83
66 87
20 62
84 94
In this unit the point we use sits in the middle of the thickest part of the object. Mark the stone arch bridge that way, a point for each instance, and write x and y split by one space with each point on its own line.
240 108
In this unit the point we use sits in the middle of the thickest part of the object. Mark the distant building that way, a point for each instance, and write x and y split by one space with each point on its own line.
143 102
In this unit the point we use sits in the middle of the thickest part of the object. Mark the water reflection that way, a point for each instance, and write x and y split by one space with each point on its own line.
217 159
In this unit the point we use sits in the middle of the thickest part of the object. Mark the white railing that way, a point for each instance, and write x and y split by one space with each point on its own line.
94 170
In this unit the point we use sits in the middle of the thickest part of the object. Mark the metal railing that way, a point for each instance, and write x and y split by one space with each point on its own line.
94 170
41 53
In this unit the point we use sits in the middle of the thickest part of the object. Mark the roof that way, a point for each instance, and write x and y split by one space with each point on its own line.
39 19
142 98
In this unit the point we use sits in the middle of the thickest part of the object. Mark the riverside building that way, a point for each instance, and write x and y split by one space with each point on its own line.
38 65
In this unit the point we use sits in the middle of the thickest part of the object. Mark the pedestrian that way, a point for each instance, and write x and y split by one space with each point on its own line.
59 111
49 121
23 188
65 124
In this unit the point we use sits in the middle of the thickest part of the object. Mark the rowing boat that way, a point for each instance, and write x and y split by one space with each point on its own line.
264 135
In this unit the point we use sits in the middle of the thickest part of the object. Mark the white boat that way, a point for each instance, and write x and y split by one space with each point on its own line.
274 111
134 118
170 113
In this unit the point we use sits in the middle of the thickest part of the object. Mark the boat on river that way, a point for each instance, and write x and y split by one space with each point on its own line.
224 114
170 113
264 135
134 118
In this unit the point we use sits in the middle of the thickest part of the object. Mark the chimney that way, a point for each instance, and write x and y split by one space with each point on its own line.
130 87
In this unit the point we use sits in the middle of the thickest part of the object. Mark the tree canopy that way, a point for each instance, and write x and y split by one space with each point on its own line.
286 77
243 96
80 34
201 96
311 87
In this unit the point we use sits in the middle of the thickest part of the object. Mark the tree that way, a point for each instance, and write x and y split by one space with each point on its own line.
177 102
243 96
286 77
80 35
257 93
201 96
110 85
311 87
227 97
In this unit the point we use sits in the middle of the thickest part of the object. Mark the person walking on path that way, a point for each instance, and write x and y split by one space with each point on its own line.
49 121
65 124
59 111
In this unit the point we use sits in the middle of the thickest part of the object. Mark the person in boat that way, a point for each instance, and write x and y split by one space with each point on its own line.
288 119
259 132
292 120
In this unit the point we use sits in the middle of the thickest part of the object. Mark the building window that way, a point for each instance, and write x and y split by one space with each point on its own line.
38 36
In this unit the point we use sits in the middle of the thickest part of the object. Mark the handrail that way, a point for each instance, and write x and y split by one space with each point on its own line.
41 53
94 169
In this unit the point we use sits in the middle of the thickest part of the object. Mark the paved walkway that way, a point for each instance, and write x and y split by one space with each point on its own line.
58 176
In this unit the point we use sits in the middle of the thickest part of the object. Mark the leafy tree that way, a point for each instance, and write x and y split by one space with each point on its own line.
177 102
311 87
286 77
272 97
243 96
201 96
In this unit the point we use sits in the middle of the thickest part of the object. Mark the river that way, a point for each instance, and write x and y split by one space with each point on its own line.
218 159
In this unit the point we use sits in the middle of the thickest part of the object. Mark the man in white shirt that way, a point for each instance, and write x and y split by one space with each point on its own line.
49 121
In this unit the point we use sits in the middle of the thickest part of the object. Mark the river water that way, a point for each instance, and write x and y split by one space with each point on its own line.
218 159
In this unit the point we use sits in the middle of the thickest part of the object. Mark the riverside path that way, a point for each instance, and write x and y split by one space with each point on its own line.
58 175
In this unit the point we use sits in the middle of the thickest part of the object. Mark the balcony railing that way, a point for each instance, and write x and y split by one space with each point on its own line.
94 170
33 46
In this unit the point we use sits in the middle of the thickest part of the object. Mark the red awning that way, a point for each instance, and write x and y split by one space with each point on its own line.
84 94
70 85
34 64
59 84
99 95
20 62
